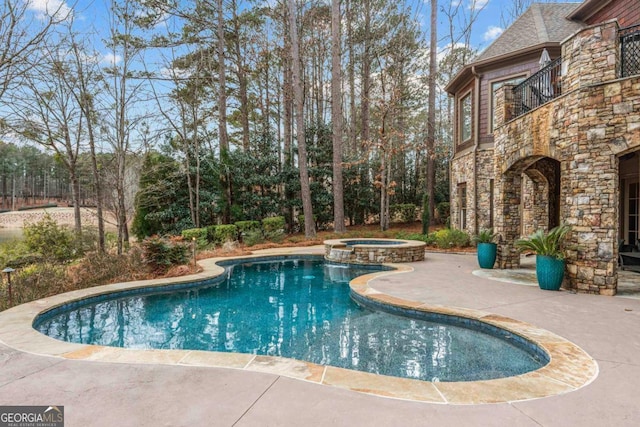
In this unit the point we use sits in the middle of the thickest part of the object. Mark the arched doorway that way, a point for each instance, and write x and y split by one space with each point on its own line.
528 200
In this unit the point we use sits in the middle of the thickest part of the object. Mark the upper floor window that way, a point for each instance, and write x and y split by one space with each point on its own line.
465 118
494 87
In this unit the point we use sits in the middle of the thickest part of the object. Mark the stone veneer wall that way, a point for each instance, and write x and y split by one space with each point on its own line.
411 251
586 129
485 199
462 172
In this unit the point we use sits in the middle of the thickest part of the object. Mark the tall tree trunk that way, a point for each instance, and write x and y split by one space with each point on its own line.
366 72
287 95
305 190
336 118
222 115
431 114
242 81
75 194
352 83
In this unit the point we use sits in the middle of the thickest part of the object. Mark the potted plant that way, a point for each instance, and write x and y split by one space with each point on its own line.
487 249
549 255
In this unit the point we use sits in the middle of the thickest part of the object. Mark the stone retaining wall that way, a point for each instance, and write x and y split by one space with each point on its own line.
62 216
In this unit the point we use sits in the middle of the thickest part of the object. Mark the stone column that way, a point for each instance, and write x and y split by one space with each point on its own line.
508 185
508 218
591 208
590 56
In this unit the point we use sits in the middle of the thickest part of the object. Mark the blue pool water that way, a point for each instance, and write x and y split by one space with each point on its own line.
298 309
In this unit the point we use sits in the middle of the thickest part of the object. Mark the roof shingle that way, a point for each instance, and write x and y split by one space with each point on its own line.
541 23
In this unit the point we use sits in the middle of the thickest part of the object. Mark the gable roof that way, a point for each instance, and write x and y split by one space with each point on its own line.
541 23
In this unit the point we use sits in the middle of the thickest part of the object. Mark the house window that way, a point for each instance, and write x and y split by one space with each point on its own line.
465 118
462 203
494 87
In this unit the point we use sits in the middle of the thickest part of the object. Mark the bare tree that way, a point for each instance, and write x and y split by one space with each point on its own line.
514 8
298 95
87 78
21 36
124 92
44 111
184 110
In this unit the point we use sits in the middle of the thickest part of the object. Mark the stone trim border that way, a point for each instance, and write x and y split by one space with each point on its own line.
569 369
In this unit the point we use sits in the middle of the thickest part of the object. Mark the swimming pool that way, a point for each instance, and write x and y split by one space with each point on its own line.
297 309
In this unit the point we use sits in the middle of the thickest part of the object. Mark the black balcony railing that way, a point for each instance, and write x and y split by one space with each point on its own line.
629 51
538 89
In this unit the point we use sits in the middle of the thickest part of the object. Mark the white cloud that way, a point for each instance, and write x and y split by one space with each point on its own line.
110 59
492 33
50 9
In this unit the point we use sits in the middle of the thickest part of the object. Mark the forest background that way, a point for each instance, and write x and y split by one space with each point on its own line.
172 115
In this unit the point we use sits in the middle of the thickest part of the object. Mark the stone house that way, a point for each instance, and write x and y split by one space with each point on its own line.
548 131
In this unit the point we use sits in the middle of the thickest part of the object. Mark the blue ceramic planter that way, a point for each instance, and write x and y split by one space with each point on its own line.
487 254
550 272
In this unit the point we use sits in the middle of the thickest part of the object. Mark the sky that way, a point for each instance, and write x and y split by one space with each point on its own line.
486 29
488 26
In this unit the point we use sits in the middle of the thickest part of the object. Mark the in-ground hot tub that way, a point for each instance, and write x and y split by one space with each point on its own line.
373 251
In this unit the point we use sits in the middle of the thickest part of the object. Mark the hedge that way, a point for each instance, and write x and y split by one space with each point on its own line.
225 233
273 224
199 234
246 226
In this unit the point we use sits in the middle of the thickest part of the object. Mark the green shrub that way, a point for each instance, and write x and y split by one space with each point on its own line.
211 233
253 237
275 236
160 254
406 212
246 226
412 236
444 209
448 238
36 281
272 224
11 251
52 241
225 233
200 234
103 268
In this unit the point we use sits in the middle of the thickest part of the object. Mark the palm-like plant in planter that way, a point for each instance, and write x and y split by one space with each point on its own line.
549 255
487 249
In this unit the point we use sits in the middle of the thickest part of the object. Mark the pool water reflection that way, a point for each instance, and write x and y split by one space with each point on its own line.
298 309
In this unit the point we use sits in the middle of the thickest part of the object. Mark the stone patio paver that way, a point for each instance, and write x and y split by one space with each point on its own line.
95 393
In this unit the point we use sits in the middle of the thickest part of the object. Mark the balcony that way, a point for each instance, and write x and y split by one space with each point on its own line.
629 51
538 89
